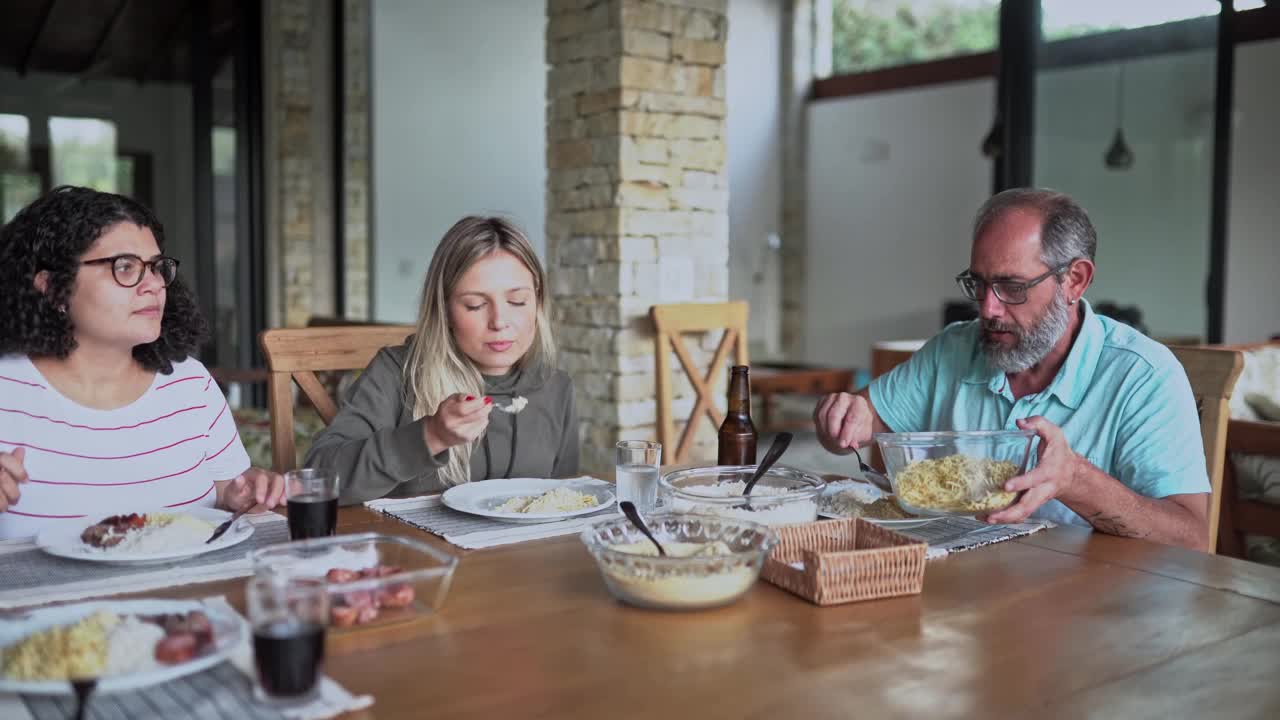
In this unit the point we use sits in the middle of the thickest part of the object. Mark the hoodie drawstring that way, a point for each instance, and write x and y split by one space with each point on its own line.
488 459
515 435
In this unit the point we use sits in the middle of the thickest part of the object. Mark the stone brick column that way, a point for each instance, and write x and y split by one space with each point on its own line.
298 111
637 197
355 160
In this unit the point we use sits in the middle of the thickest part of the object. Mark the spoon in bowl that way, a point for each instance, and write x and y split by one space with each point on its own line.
629 509
780 444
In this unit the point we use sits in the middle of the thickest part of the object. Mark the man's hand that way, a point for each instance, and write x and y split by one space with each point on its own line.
1053 476
844 422
258 489
12 474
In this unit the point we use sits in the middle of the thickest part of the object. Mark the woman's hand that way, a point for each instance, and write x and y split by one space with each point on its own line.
459 419
258 489
12 474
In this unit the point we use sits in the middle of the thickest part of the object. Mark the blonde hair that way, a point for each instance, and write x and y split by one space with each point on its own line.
436 367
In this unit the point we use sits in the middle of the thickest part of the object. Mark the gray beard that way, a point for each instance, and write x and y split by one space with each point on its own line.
1032 345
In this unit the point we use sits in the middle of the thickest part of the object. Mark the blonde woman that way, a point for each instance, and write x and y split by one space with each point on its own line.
473 394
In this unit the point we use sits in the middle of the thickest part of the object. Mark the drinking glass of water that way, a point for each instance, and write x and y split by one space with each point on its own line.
312 496
288 616
637 472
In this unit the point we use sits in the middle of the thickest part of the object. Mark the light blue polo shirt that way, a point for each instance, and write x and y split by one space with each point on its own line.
1122 399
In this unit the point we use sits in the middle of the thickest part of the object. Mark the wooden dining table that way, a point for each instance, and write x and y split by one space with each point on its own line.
1064 623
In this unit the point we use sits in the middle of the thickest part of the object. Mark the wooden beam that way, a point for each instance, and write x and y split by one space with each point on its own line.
107 29
25 64
1180 36
1258 24
167 42
955 69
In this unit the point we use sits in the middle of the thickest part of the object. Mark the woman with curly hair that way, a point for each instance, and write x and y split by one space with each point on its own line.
102 409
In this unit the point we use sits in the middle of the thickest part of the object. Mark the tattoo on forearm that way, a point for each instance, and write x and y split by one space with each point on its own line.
1115 525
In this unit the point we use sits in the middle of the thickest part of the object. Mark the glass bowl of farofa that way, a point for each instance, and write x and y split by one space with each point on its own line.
711 560
954 473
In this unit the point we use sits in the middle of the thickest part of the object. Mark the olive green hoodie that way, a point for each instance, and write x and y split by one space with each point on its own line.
378 449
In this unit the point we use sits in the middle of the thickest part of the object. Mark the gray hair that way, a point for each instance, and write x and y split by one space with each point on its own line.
1065 230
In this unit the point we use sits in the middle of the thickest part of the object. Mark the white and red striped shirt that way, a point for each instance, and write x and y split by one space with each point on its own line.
164 450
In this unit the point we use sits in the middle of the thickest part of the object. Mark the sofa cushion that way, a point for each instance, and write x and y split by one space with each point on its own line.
1259 379
254 425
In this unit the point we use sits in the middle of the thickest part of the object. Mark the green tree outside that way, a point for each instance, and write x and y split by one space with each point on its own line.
873 34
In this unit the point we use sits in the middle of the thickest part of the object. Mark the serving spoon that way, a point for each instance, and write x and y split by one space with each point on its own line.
780 444
629 509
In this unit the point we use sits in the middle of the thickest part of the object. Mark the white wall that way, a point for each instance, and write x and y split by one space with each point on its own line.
459 127
1152 219
153 118
1253 230
754 149
894 180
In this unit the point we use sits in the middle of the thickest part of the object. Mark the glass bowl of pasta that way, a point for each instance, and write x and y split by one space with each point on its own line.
954 473
711 561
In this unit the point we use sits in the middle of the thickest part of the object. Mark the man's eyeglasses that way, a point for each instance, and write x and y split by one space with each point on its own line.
128 270
1009 292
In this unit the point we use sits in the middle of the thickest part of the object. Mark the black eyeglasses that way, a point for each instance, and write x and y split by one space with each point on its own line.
128 269
1009 292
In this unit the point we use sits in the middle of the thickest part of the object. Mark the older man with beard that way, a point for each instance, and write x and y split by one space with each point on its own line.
1119 436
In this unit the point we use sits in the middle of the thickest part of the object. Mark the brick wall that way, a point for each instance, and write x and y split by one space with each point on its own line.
637 197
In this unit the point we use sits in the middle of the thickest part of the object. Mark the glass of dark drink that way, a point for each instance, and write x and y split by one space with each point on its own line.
288 616
312 496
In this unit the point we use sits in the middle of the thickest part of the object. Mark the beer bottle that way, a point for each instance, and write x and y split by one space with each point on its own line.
737 433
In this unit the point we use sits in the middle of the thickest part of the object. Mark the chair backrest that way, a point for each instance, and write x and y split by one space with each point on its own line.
889 354
670 322
1213 376
295 354
1246 439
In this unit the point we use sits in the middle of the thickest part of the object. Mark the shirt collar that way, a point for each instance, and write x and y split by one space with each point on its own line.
1073 378
1076 374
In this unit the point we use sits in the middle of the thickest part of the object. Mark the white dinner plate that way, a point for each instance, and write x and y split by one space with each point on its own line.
484 497
63 540
867 493
229 630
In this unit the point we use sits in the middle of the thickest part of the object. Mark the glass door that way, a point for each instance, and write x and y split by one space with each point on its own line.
1124 122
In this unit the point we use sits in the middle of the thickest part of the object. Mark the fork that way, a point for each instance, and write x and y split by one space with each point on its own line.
222 529
870 474
83 688
514 407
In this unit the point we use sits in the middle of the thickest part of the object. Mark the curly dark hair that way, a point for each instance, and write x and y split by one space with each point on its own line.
52 234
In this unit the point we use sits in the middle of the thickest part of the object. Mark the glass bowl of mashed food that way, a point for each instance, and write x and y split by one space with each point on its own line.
711 561
784 496
954 473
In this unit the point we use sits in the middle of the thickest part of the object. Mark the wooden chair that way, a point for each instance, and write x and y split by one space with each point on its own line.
670 322
1239 518
296 354
1213 374
885 356
889 354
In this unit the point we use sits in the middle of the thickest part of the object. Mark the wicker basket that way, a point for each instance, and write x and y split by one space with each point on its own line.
844 561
